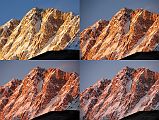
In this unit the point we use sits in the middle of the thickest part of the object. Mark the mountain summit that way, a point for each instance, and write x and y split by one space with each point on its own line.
39 31
41 91
130 91
129 31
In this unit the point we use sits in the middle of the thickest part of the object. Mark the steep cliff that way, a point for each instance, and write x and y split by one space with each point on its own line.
39 31
130 91
129 31
41 91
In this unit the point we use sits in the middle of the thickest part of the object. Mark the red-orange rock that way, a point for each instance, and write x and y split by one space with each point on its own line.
129 31
39 92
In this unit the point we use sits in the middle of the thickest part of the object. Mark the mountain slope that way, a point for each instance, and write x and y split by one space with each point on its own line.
39 31
129 31
41 91
130 91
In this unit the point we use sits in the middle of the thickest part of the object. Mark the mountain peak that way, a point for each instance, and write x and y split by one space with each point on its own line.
143 69
36 9
36 71
37 68
38 94
122 96
125 9
141 9
38 32
126 69
128 32
33 11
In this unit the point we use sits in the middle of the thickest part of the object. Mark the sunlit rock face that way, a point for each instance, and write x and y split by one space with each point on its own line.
129 31
39 31
129 91
41 91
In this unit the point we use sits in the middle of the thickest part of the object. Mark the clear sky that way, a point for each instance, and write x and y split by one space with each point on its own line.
18 69
93 10
18 8
92 71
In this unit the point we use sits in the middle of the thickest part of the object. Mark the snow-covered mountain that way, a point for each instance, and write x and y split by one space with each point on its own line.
129 31
39 31
130 91
41 91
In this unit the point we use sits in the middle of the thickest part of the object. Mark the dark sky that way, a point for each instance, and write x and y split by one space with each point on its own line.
18 8
18 69
93 10
91 71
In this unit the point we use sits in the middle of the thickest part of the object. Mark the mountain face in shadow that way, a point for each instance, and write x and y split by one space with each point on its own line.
59 55
143 115
60 115
154 55
128 31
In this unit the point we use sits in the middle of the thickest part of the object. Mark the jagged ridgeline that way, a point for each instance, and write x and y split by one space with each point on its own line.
130 91
129 31
40 30
41 91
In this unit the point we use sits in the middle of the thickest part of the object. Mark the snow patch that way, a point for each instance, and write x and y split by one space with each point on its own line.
88 102
5 28
157 106
127 27
112 108
128 85
40 84
51 39
74 105
49 105
138 106
20 99
156 48
74 45
110 98
38 26
139 41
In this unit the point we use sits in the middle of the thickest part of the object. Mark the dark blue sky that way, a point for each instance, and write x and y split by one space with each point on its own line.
18 69
93 10
18 8
91 71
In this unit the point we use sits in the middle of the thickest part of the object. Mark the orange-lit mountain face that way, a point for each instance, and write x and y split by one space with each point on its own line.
41 91
129 31
39 31
130 91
